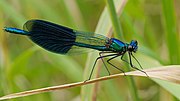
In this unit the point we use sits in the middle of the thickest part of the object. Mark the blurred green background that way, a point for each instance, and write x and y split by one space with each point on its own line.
25 66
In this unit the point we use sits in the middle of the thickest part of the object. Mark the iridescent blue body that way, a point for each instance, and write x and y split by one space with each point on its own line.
15 30
64 40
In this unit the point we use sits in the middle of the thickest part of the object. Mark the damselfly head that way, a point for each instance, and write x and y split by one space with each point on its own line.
133 46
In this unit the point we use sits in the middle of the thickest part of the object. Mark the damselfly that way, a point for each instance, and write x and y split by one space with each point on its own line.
64 40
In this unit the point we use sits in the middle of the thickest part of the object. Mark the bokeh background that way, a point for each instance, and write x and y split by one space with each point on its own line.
25 66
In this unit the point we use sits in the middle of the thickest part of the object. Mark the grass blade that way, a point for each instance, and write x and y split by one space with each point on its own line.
168 73
171 31
104 26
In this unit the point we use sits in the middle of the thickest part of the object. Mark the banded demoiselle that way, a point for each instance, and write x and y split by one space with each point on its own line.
64 40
